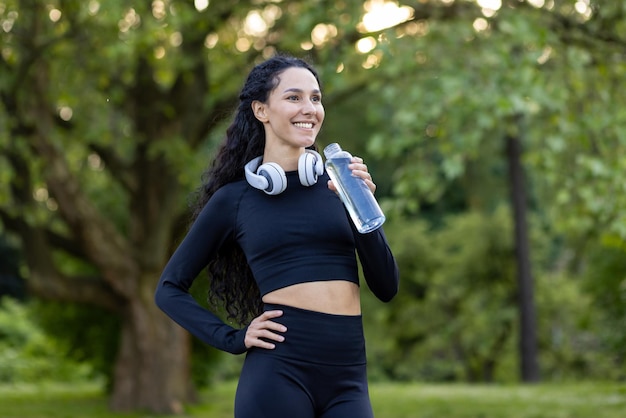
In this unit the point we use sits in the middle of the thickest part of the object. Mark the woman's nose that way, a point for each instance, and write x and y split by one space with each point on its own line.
309 108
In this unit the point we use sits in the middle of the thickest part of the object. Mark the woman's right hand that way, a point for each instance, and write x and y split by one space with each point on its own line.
263 327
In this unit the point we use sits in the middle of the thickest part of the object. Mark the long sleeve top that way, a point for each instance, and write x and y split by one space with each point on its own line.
301 235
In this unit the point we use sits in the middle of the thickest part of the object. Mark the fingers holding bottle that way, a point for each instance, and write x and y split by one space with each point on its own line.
359 169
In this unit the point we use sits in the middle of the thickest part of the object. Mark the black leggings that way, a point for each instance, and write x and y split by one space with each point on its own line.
319 370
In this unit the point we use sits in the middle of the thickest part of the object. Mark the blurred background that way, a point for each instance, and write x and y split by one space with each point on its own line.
495 130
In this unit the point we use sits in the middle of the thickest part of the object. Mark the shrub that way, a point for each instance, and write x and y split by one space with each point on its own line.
27 354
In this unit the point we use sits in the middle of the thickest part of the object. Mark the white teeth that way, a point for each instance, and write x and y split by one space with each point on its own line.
303 125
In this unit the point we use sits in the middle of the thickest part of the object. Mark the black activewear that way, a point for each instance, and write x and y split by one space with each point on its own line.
301 235
319 370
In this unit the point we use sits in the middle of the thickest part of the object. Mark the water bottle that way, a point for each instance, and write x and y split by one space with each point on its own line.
353 191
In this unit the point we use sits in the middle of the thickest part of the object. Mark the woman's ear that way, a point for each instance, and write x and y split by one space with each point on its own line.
258 108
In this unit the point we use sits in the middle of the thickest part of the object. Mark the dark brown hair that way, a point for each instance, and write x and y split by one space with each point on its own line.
231 282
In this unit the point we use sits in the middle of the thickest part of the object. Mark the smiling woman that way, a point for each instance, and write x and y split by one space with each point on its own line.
281 253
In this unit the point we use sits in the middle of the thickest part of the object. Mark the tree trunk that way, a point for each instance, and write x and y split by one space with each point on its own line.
527 339
152 369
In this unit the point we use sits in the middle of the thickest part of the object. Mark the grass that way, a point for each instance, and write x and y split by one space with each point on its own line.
483 401
390 400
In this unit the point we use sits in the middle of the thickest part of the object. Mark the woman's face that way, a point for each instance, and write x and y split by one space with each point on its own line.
293 113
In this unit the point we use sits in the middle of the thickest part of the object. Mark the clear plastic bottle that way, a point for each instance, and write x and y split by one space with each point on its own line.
354 193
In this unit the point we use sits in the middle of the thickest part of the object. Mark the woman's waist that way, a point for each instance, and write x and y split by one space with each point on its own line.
317 337
335 297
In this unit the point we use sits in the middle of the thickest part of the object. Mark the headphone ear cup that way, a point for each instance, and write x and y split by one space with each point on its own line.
254 180
275 176
310 166
319 163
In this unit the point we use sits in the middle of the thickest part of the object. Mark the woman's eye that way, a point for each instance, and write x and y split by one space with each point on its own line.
316 99
294 98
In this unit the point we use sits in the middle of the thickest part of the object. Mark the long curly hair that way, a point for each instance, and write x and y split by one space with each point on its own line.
231 283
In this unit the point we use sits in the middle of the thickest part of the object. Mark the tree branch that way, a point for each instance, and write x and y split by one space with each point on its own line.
103 244
105 247
585 33
16 224
115 166
46 281
89 290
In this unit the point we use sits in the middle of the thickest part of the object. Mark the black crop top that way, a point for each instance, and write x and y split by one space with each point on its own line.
301 235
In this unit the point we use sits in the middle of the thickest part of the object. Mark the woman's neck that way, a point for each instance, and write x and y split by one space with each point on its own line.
286 158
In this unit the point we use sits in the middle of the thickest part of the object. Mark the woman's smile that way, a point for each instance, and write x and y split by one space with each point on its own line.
304 125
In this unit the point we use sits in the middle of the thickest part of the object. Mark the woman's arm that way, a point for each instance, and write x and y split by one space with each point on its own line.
212 227
379 265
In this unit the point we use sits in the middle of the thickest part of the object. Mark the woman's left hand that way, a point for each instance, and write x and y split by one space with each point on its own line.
359 169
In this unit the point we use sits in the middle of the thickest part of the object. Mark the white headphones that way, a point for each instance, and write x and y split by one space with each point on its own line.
271 178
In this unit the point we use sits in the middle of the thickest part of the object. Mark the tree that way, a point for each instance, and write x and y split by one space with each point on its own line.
529 366
540 62
122 252
105 108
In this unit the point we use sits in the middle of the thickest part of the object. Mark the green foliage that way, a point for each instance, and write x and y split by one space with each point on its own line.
27 354
456 316
82 334
571 331
448 91
456 309
447 94
605 281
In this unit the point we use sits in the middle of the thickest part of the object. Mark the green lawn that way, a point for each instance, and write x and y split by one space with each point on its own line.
390 400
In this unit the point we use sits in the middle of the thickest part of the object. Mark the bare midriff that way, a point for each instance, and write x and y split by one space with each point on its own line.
337 297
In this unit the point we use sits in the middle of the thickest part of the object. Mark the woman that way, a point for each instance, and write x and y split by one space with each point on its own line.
280 249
